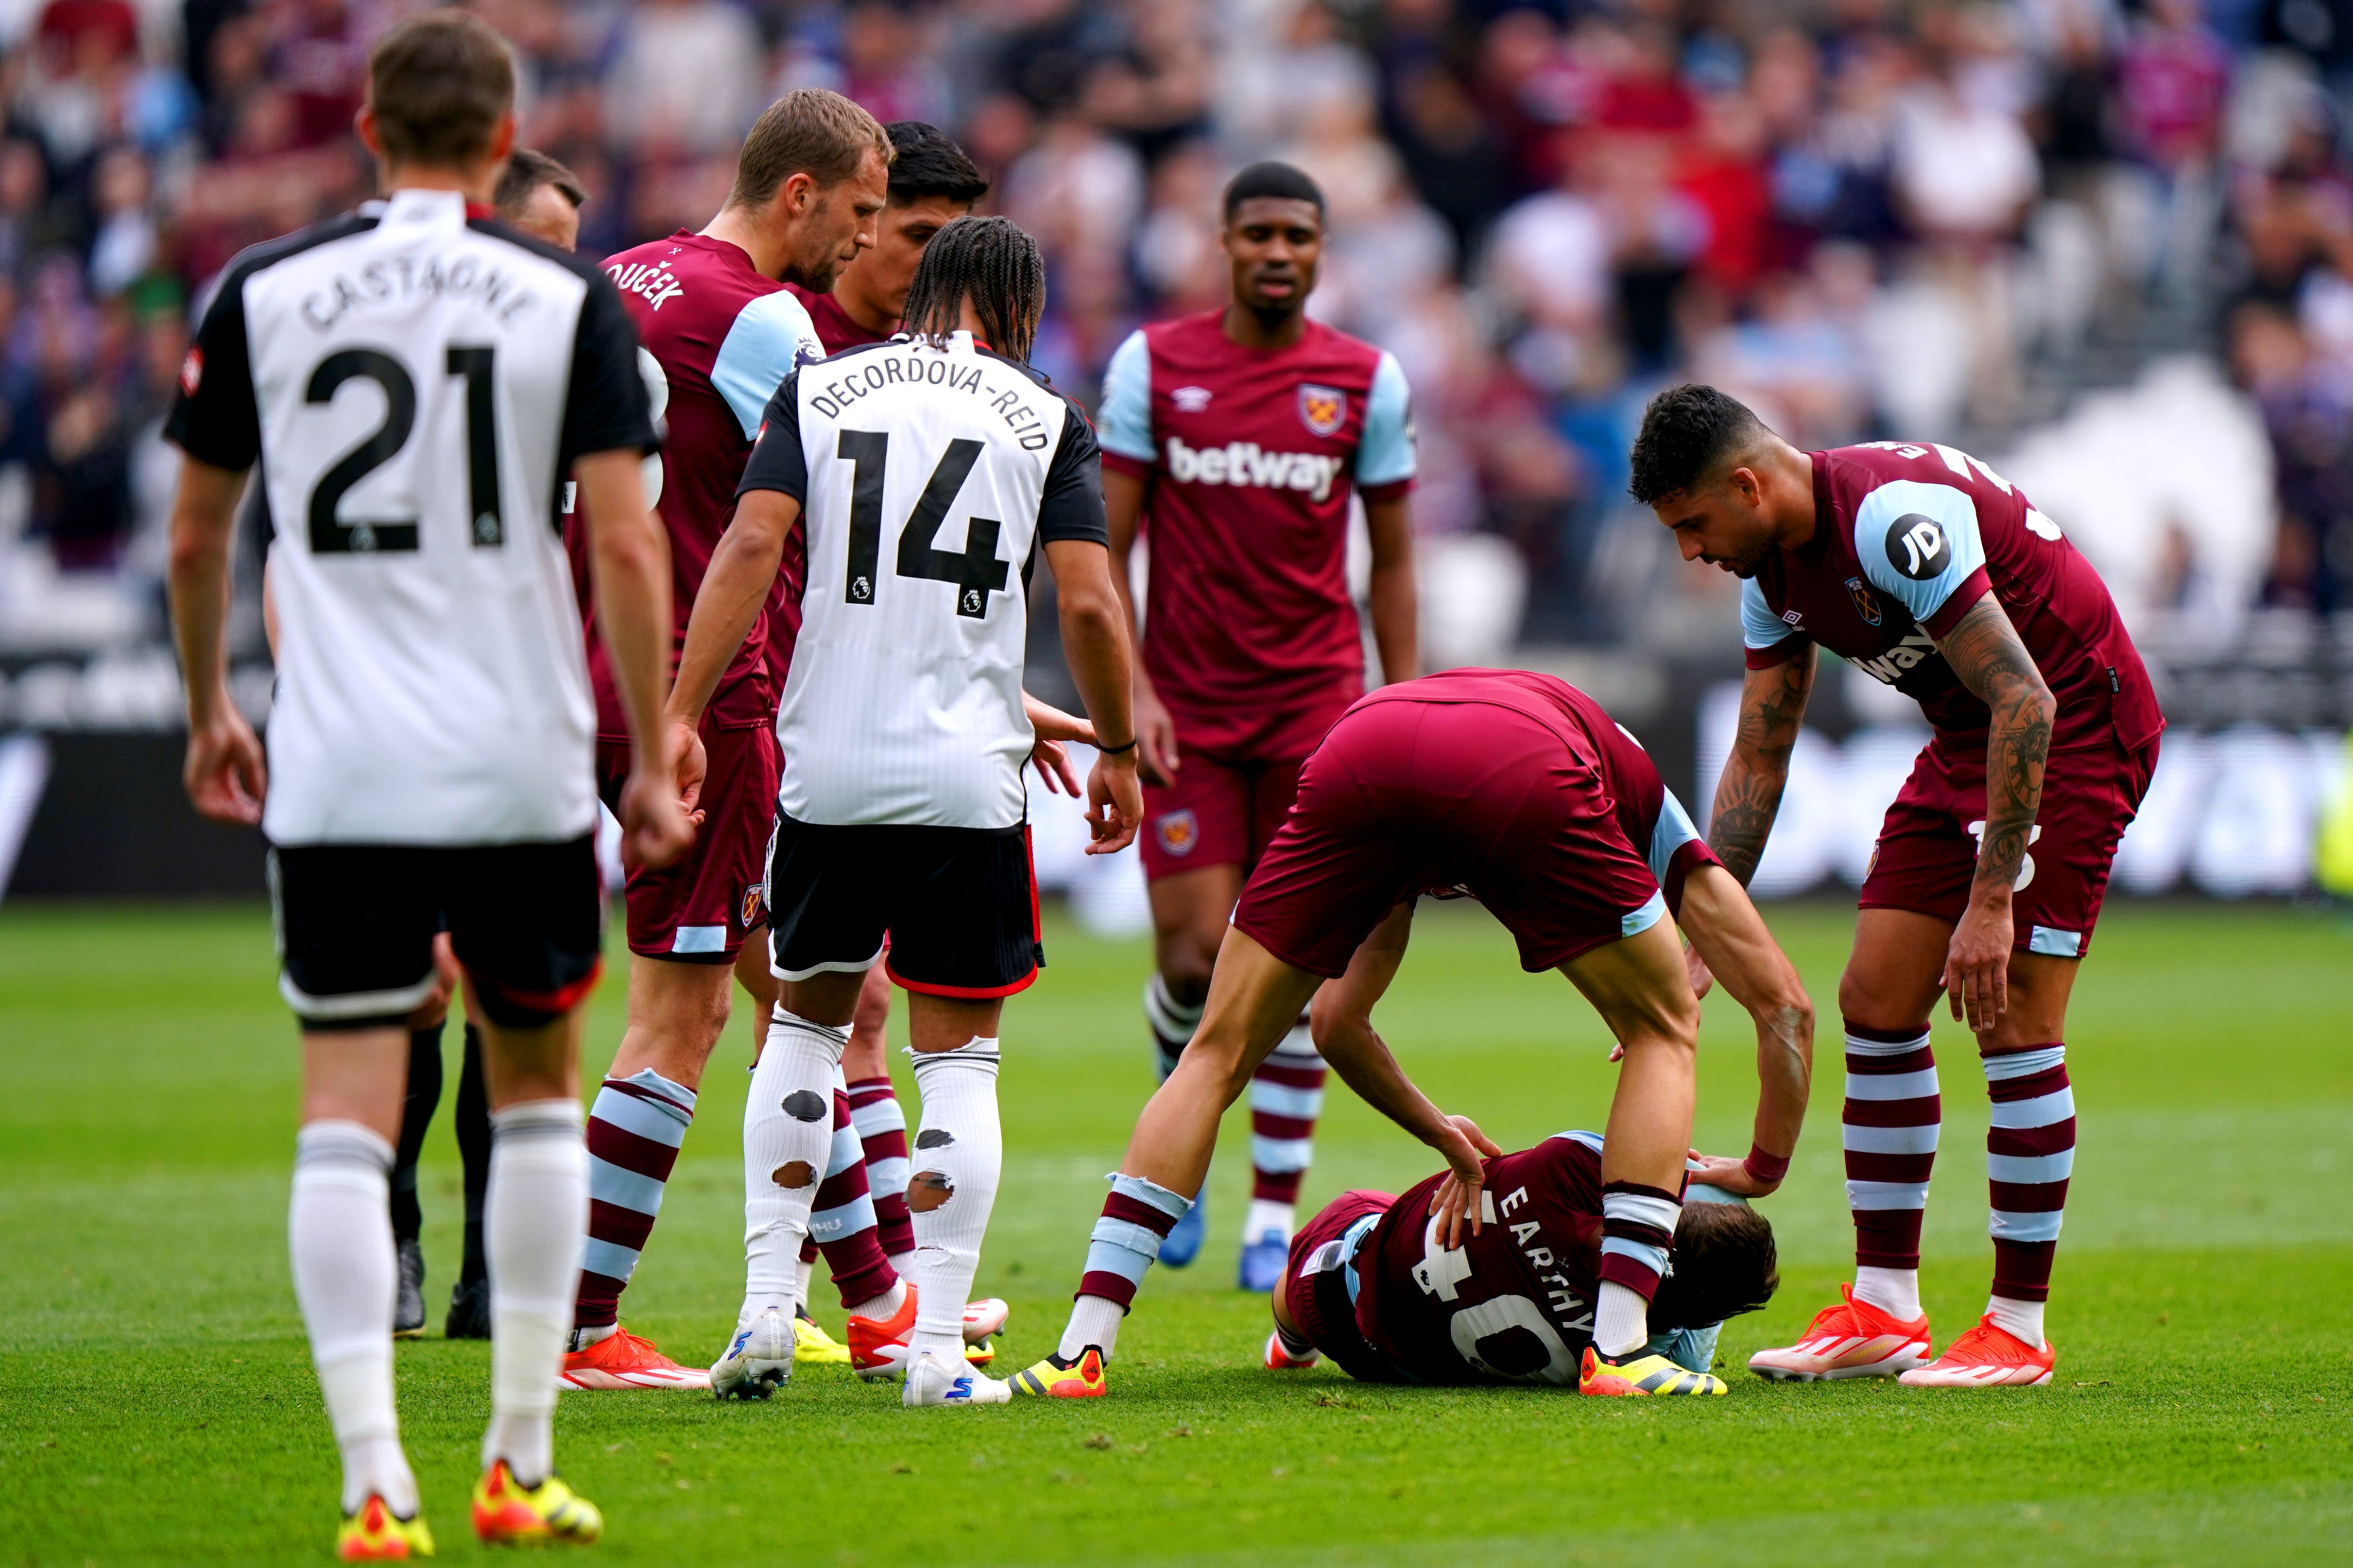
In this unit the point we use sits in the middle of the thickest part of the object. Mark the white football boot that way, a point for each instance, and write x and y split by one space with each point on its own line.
759 1359
933 1382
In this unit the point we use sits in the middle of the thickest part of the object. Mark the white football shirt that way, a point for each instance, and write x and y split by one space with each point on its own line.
415 384
928 475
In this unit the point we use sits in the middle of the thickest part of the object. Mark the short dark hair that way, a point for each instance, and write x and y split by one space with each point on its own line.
1283 181
811 131
930 164
995 264
528 169
1686 431
438 84
1724 1265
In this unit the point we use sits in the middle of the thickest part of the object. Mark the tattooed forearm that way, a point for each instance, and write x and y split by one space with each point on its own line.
1984 651
1748 795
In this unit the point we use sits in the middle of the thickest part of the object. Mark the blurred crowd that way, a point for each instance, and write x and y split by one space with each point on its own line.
1938 220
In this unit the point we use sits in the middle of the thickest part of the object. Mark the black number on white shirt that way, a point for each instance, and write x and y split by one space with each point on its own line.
975 572
330 536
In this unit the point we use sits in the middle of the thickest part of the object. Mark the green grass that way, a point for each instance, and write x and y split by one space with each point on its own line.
156 1402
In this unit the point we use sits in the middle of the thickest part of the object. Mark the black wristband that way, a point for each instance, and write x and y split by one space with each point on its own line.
1116 751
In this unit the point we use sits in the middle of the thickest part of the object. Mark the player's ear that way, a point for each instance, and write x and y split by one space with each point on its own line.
363 127
797 194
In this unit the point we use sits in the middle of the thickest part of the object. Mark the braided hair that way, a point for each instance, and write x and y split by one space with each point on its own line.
991 262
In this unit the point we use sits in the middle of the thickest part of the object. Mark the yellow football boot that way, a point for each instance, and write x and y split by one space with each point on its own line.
1643 1375
813 1346
1050 1379
507 1513
376 1534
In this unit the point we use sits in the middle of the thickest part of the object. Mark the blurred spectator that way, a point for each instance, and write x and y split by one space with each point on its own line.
1935 220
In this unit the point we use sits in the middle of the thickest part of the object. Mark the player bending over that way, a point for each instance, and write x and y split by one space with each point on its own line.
925 475
1925 569
1517 789
1371 1284
414 440
1233 443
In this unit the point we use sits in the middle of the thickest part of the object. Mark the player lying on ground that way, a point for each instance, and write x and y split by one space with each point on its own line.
1519 790
404 571
1371 1284
1927 570
901 810
1235 443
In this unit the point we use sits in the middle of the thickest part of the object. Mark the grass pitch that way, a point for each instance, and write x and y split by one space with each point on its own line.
156 1403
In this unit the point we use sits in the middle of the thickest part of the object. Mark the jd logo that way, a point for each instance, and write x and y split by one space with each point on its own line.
2025 862
1916 547
860 589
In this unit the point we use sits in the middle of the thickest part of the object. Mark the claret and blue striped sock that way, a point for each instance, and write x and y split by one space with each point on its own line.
2030 1156
1889 1127
1136 1218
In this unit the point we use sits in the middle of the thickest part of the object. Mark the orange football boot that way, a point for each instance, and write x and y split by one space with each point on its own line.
624 1360
1853 1339
1987 1356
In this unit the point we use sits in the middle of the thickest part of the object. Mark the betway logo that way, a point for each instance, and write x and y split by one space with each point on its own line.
1243 463
1899 661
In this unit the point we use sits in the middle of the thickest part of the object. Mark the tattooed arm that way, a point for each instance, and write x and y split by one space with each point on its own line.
1748 795
1984 651
1772 702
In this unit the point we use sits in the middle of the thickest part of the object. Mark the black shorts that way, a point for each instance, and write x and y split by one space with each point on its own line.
959 905
356 921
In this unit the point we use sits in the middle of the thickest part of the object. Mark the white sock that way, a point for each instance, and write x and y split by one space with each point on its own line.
788 1134
801 1268
1094 1321
339 1237
958 1145
581 1339
902 1264
1894 1291
1621 1321
535 1228
881 1307
2022 1321
1266 1214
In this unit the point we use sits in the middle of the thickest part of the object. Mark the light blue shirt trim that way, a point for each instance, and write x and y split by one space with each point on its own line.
1674 830
1759 627
1643 918
1387 453
1123 422
771 337
700 939
1922 563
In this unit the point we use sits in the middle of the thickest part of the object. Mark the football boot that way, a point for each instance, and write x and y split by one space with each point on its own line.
1054 1378
508 1513
878 1347
470 1309
1262 1261
1277 1359
1853 1339
931 1382
624 1360
813 1345
374 1533
758 1360
1987 1356
408 1298
1641 1375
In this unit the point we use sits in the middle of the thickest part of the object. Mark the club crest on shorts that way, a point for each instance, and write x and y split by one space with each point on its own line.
752 901
1322 409
1865 605
1180 831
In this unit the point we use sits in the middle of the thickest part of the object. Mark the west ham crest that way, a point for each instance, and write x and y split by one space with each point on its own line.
751 912
1180 831
1322 409
1865 605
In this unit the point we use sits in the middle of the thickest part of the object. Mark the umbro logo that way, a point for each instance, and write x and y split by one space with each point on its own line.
1190 399
1793 618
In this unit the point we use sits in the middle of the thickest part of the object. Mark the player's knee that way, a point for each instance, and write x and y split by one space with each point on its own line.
1185 968
1862 1005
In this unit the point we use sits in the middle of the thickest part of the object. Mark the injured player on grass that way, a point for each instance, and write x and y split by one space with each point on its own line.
1371 1283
